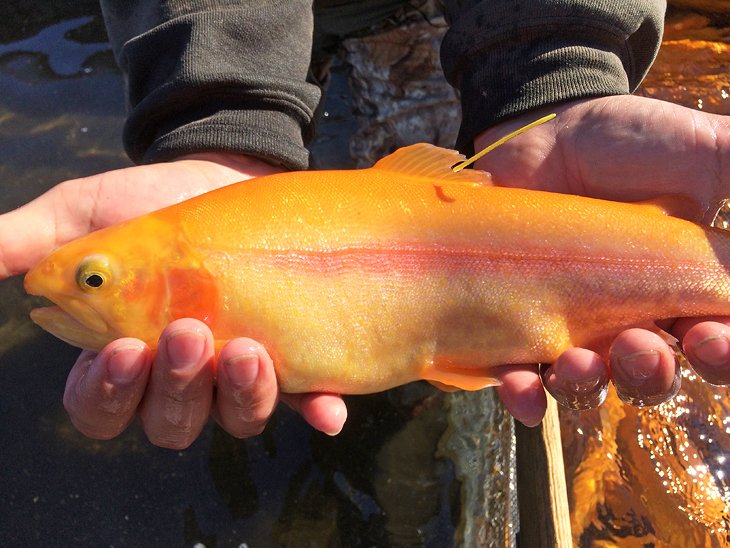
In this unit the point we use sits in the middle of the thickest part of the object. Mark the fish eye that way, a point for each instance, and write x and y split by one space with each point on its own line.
93 273
94 280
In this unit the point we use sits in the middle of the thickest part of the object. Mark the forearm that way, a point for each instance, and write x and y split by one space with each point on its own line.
507 57
206 76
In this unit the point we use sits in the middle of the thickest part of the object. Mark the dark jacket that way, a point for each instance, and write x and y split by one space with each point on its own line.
231 75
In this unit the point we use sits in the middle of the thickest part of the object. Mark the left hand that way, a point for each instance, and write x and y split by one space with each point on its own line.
172 392
621 148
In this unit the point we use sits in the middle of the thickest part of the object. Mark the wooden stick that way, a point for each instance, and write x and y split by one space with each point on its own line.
541 487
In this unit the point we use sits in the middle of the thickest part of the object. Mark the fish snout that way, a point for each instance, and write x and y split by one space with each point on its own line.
39 279
43 279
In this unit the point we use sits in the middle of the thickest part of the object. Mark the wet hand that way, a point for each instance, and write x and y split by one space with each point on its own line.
621 148
172 392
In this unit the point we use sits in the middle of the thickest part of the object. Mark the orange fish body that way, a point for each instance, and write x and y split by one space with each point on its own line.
358 281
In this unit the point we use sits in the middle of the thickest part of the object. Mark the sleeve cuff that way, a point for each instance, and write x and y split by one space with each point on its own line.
506 62
225 79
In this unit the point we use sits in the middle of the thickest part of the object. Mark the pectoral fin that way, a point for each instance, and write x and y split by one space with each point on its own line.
192 293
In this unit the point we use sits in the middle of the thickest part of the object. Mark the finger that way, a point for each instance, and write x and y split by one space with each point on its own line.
681 326
103 391
247 388
324 412
32 231
522 393
578 379
707 347
177 403
644 369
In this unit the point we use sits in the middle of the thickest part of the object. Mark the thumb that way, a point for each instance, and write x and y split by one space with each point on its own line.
32 231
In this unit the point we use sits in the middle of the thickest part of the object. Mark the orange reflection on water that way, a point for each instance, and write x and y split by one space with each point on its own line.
656 475
692 67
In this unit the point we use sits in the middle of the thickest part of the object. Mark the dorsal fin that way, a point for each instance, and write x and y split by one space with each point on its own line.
425 160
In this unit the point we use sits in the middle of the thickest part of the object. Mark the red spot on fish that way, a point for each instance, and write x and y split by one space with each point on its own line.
442 196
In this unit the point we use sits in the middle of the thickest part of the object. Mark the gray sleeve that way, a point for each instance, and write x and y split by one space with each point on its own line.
215 75
510 56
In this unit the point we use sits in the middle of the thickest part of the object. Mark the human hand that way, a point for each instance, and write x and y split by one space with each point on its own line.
621 148
172 392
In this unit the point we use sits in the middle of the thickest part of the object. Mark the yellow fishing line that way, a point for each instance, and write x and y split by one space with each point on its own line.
465 163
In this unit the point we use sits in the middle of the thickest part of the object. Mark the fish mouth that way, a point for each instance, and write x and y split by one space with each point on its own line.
72 320
91 334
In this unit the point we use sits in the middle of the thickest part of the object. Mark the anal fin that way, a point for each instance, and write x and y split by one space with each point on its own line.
443 387
444 374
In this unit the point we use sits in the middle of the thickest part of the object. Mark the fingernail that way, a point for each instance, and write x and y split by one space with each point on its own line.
710 359
641 394
126 364
530 423
185 348
242 370
338 425
712 350
583 386
586 393
641 365
581 401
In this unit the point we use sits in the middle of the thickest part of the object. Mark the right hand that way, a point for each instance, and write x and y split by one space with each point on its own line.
622 148
172 392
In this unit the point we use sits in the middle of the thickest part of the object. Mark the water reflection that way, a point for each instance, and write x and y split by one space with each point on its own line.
63 55
61 105
692 66
656 475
